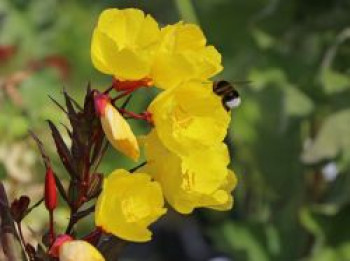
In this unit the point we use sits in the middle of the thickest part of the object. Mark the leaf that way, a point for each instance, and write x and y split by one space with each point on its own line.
72 115
335 82
61 189
58 104
261 78
43 153
63 151
241 238
263 40
97 147
310 223
332 139
296 102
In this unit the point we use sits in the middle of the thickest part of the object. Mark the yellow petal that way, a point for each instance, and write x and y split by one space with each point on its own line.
131 65
103 51
119 133
78 250
189 36
124 43
149 33
183 55
171 70
198 180
189 116
128 204
205 170
112 23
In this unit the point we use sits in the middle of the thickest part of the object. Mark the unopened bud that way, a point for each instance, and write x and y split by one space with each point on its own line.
50 190
101 101
79 250
119 133
60 240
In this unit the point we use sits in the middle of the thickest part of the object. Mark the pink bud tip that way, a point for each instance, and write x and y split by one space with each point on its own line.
60 240
101 100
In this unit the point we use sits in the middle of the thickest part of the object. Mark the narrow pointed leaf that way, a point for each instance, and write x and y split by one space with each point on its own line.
61 189
58 104
63 151
40 145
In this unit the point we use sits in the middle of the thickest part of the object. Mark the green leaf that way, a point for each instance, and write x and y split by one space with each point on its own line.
262 78
334 82
310 223
263 40
296 102
332 139
241 238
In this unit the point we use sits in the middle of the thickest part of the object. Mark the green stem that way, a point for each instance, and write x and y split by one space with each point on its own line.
186 11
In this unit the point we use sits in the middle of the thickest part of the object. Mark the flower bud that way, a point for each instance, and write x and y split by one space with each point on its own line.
50 190
79 250
116 128
60 240
101 100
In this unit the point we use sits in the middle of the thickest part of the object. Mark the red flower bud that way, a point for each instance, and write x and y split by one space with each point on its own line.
50 190
101 100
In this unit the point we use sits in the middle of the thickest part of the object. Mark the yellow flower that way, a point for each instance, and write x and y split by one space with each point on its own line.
124 43
128 204
189 117
79 250
200 179
183 55
116 128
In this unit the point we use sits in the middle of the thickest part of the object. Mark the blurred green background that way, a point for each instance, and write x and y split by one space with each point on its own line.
290 138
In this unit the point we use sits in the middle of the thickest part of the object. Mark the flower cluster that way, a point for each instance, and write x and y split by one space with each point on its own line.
186 157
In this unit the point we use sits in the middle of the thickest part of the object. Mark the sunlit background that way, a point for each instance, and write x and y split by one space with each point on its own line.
289 140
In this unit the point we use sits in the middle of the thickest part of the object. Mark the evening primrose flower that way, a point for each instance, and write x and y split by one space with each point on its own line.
116 128
124 43
183 55
200 179
128 204
189 117
79 250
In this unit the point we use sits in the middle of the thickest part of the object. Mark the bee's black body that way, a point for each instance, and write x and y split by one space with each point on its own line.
229 94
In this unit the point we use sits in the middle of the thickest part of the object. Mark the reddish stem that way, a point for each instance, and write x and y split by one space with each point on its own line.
52 229
109 89
94 236
125 93
146 116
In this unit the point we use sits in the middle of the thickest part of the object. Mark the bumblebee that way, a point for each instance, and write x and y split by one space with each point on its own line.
228 93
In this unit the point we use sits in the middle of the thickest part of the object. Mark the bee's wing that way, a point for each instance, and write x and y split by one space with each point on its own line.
242 82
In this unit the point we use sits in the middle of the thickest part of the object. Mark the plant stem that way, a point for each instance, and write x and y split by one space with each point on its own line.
52 230
186 11
7 229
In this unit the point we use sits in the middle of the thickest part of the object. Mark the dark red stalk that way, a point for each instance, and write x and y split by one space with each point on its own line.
146 116
94 236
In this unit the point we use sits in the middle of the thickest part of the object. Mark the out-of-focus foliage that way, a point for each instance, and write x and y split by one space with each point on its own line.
290 138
